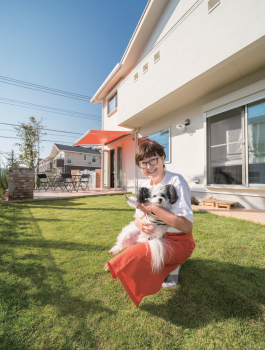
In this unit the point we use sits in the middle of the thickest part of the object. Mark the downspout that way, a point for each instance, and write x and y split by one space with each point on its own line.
102 149
135 167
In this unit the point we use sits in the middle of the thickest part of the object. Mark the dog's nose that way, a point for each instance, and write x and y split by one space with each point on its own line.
160 200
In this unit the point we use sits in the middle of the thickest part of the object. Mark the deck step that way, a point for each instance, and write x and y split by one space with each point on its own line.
210 202
218 203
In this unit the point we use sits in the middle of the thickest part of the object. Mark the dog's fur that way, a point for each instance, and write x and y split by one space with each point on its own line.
164 197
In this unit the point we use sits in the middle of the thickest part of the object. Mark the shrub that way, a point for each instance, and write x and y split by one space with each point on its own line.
3 182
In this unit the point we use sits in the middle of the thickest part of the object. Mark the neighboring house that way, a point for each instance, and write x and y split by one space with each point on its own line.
45 165
199 63
63 159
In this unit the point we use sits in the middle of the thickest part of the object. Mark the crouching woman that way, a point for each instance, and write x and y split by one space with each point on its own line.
133 265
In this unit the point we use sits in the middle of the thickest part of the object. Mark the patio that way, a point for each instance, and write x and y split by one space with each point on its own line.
58 194
257 216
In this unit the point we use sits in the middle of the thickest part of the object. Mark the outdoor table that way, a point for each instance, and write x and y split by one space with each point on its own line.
75 181
55 181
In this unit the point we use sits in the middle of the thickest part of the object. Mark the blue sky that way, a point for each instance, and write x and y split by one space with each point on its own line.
70 45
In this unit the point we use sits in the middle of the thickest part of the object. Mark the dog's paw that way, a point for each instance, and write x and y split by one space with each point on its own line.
114 250
132 201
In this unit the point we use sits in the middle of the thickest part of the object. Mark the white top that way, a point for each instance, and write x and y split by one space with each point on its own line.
183 205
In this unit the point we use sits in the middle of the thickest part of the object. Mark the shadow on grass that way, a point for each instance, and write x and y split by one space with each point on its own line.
212 291
32 281
51 244
86 209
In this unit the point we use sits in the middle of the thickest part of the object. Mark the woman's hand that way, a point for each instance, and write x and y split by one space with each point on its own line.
145 207
144 225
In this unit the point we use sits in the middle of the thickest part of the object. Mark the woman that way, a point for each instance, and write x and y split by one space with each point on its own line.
133 265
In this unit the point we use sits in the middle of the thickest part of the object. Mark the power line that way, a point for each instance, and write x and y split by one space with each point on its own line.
67 132
49 109
45 89
25 87
45 133
18 138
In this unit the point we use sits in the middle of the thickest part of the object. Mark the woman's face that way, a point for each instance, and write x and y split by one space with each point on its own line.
153 167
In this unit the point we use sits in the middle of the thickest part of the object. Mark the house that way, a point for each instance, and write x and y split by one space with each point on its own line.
63 159
192 78
45 165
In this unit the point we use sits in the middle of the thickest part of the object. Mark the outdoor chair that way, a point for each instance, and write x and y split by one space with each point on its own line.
55 181
84 182
43 182
67 182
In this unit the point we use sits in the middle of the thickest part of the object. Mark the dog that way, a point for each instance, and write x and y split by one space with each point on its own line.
164 197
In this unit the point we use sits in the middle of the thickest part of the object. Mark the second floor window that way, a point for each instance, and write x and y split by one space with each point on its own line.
93 159
112 103
84 156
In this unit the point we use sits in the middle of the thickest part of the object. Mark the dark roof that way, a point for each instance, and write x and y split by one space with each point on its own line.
78 149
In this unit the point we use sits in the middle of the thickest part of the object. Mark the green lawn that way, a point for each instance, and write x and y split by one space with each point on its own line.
56 295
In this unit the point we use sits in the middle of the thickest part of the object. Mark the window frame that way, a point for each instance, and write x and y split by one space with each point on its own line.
84 157
169 141
210 111
115 95
93 157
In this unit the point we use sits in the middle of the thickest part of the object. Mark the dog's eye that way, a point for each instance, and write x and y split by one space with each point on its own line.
162 195
154 196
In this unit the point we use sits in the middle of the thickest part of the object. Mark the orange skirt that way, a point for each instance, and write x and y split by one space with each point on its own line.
133 265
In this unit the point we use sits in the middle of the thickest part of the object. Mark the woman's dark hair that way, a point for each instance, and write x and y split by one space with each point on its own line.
149 149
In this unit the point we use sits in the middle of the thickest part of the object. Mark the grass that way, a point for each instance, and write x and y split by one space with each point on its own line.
56 295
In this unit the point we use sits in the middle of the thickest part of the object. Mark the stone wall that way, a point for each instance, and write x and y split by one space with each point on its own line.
98 178
20 183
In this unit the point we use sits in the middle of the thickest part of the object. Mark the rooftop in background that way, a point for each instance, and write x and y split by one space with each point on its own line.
76 149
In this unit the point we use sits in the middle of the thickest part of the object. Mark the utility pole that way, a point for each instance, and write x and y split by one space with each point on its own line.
12 157
38 149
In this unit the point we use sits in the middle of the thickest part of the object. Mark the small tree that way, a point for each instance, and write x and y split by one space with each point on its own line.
12 160
29 147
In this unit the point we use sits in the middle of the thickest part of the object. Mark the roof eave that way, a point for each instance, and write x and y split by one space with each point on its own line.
94 99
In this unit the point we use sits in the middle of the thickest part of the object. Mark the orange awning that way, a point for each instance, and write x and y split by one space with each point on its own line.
100 137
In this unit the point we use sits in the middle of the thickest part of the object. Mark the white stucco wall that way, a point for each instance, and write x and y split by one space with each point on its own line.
188 149
199 43
111 123
172 13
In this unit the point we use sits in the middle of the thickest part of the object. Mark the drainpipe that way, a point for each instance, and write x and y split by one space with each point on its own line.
135 167
103 147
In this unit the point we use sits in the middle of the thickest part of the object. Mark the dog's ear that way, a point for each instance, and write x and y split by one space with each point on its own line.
172 194
142 194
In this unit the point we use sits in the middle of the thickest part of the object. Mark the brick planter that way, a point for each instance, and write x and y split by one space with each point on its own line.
20 183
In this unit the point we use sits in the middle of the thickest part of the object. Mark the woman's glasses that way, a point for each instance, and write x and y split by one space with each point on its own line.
151 162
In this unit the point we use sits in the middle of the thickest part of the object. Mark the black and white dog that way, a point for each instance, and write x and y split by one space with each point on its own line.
164 197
